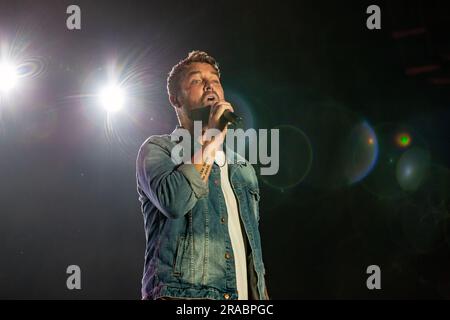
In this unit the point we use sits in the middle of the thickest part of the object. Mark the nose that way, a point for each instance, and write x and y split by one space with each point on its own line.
208 86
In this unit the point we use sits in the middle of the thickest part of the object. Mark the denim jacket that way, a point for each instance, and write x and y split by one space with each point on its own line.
188 247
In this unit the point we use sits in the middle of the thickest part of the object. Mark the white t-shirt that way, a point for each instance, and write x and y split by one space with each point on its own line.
234 227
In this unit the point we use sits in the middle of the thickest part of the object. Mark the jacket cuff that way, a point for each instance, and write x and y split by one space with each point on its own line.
199 187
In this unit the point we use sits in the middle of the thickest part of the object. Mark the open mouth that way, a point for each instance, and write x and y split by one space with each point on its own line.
210 98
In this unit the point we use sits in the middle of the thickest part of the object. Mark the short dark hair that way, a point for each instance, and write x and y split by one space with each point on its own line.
177 72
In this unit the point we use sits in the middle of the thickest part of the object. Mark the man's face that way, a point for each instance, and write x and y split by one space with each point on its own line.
200 86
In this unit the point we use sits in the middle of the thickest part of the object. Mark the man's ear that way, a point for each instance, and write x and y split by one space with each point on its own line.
174 101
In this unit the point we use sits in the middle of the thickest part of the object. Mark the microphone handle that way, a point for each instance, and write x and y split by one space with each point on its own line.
229 116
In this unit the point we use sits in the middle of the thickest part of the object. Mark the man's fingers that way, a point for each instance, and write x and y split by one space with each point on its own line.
218 112
218 109
223 102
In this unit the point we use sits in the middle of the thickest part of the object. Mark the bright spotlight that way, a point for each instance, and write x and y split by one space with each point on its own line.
8 76
112 98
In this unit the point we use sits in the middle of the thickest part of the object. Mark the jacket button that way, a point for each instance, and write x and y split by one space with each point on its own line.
227 255
226 296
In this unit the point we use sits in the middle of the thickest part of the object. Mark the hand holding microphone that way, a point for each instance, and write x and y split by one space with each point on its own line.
217 115
229 116
221 113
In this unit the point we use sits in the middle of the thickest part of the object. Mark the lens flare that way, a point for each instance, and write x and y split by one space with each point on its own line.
403 140
8 76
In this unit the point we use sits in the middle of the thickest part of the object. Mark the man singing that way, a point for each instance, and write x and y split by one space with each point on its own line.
201 217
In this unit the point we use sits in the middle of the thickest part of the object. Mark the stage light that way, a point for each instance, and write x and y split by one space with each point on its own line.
8 76
112 98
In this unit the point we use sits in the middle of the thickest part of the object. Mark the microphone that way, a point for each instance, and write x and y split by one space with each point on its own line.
230 116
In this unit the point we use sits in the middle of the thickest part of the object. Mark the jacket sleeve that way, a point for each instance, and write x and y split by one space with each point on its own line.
173 189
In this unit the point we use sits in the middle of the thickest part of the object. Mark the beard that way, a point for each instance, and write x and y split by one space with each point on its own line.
200 114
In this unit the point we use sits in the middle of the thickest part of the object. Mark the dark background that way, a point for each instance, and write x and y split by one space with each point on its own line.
67 173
